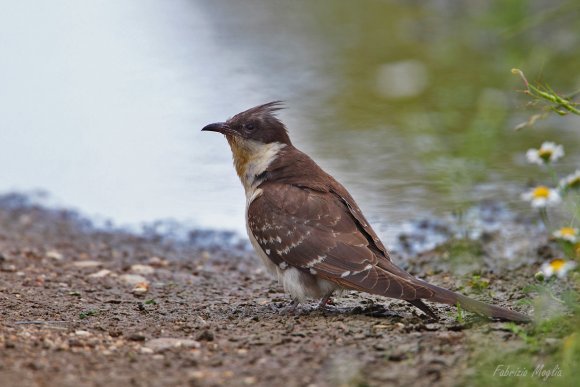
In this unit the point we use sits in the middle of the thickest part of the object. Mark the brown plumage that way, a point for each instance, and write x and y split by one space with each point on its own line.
308 229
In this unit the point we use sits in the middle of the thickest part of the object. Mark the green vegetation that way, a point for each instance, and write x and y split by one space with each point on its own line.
548 99
88 313
477 283
549 350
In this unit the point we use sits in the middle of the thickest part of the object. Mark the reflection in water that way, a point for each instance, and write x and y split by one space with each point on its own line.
410 105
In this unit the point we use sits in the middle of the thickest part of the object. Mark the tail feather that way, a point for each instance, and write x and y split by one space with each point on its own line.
445 296
421 305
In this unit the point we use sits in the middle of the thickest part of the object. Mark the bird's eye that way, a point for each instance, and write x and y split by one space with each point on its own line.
249 127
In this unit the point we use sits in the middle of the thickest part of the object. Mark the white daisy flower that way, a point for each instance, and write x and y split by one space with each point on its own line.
558 267
569 234
542 196
548 153
571 181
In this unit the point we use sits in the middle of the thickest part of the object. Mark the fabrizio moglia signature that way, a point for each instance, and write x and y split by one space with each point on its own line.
540 372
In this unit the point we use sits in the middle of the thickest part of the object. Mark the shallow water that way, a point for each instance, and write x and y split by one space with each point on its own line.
411 106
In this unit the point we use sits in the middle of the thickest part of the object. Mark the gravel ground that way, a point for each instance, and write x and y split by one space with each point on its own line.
83 306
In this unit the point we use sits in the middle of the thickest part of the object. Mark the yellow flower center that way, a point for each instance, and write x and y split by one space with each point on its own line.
545 154
557 264
567 231
541 192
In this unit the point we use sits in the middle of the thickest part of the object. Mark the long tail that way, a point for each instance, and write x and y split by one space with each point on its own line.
445 296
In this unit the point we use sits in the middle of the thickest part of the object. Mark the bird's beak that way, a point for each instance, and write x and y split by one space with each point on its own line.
219 127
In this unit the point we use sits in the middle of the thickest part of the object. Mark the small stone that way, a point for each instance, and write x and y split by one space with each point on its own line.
136 337
115 333
249 380
53 254
432 327
165 343
75 343
140 289
82 333
132 279
8 268
553 341
157 262
48 344
197 374
87 264
397 356
205 336
146 350
100 274
142 269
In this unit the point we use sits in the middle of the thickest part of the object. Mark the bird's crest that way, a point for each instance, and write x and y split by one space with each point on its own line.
265 112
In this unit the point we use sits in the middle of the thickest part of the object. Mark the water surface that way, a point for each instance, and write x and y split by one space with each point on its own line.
410 105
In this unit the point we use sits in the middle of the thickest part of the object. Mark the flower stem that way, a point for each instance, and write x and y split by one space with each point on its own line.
545 219
553 174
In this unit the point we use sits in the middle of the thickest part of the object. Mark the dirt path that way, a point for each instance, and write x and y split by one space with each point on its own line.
79 306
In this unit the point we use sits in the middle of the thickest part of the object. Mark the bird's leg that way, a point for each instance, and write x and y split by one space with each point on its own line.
293 305
325 299
292 308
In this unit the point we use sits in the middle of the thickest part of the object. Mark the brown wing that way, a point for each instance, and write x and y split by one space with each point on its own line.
303 172
316 232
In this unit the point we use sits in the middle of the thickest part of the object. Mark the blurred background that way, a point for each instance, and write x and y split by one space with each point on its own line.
410 104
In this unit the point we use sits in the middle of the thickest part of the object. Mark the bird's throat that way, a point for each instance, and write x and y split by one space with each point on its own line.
251 159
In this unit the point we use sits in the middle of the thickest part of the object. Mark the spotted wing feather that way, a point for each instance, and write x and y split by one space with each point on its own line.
316 233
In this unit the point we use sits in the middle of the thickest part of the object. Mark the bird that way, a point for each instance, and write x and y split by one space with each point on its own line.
308 230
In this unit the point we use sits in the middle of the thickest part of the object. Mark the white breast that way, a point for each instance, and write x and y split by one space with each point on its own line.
299 284
261 157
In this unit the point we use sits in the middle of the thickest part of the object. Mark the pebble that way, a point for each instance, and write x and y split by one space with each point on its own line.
432 327
83 264
100 274
132 279
164 343
146 350
8 268
136 337
53 254
140 288
82 333
157 262
142 269
205 336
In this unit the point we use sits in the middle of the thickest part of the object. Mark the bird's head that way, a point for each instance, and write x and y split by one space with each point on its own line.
255 136
258 125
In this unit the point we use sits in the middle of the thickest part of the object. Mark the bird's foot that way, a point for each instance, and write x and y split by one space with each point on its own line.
325 302
294 309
